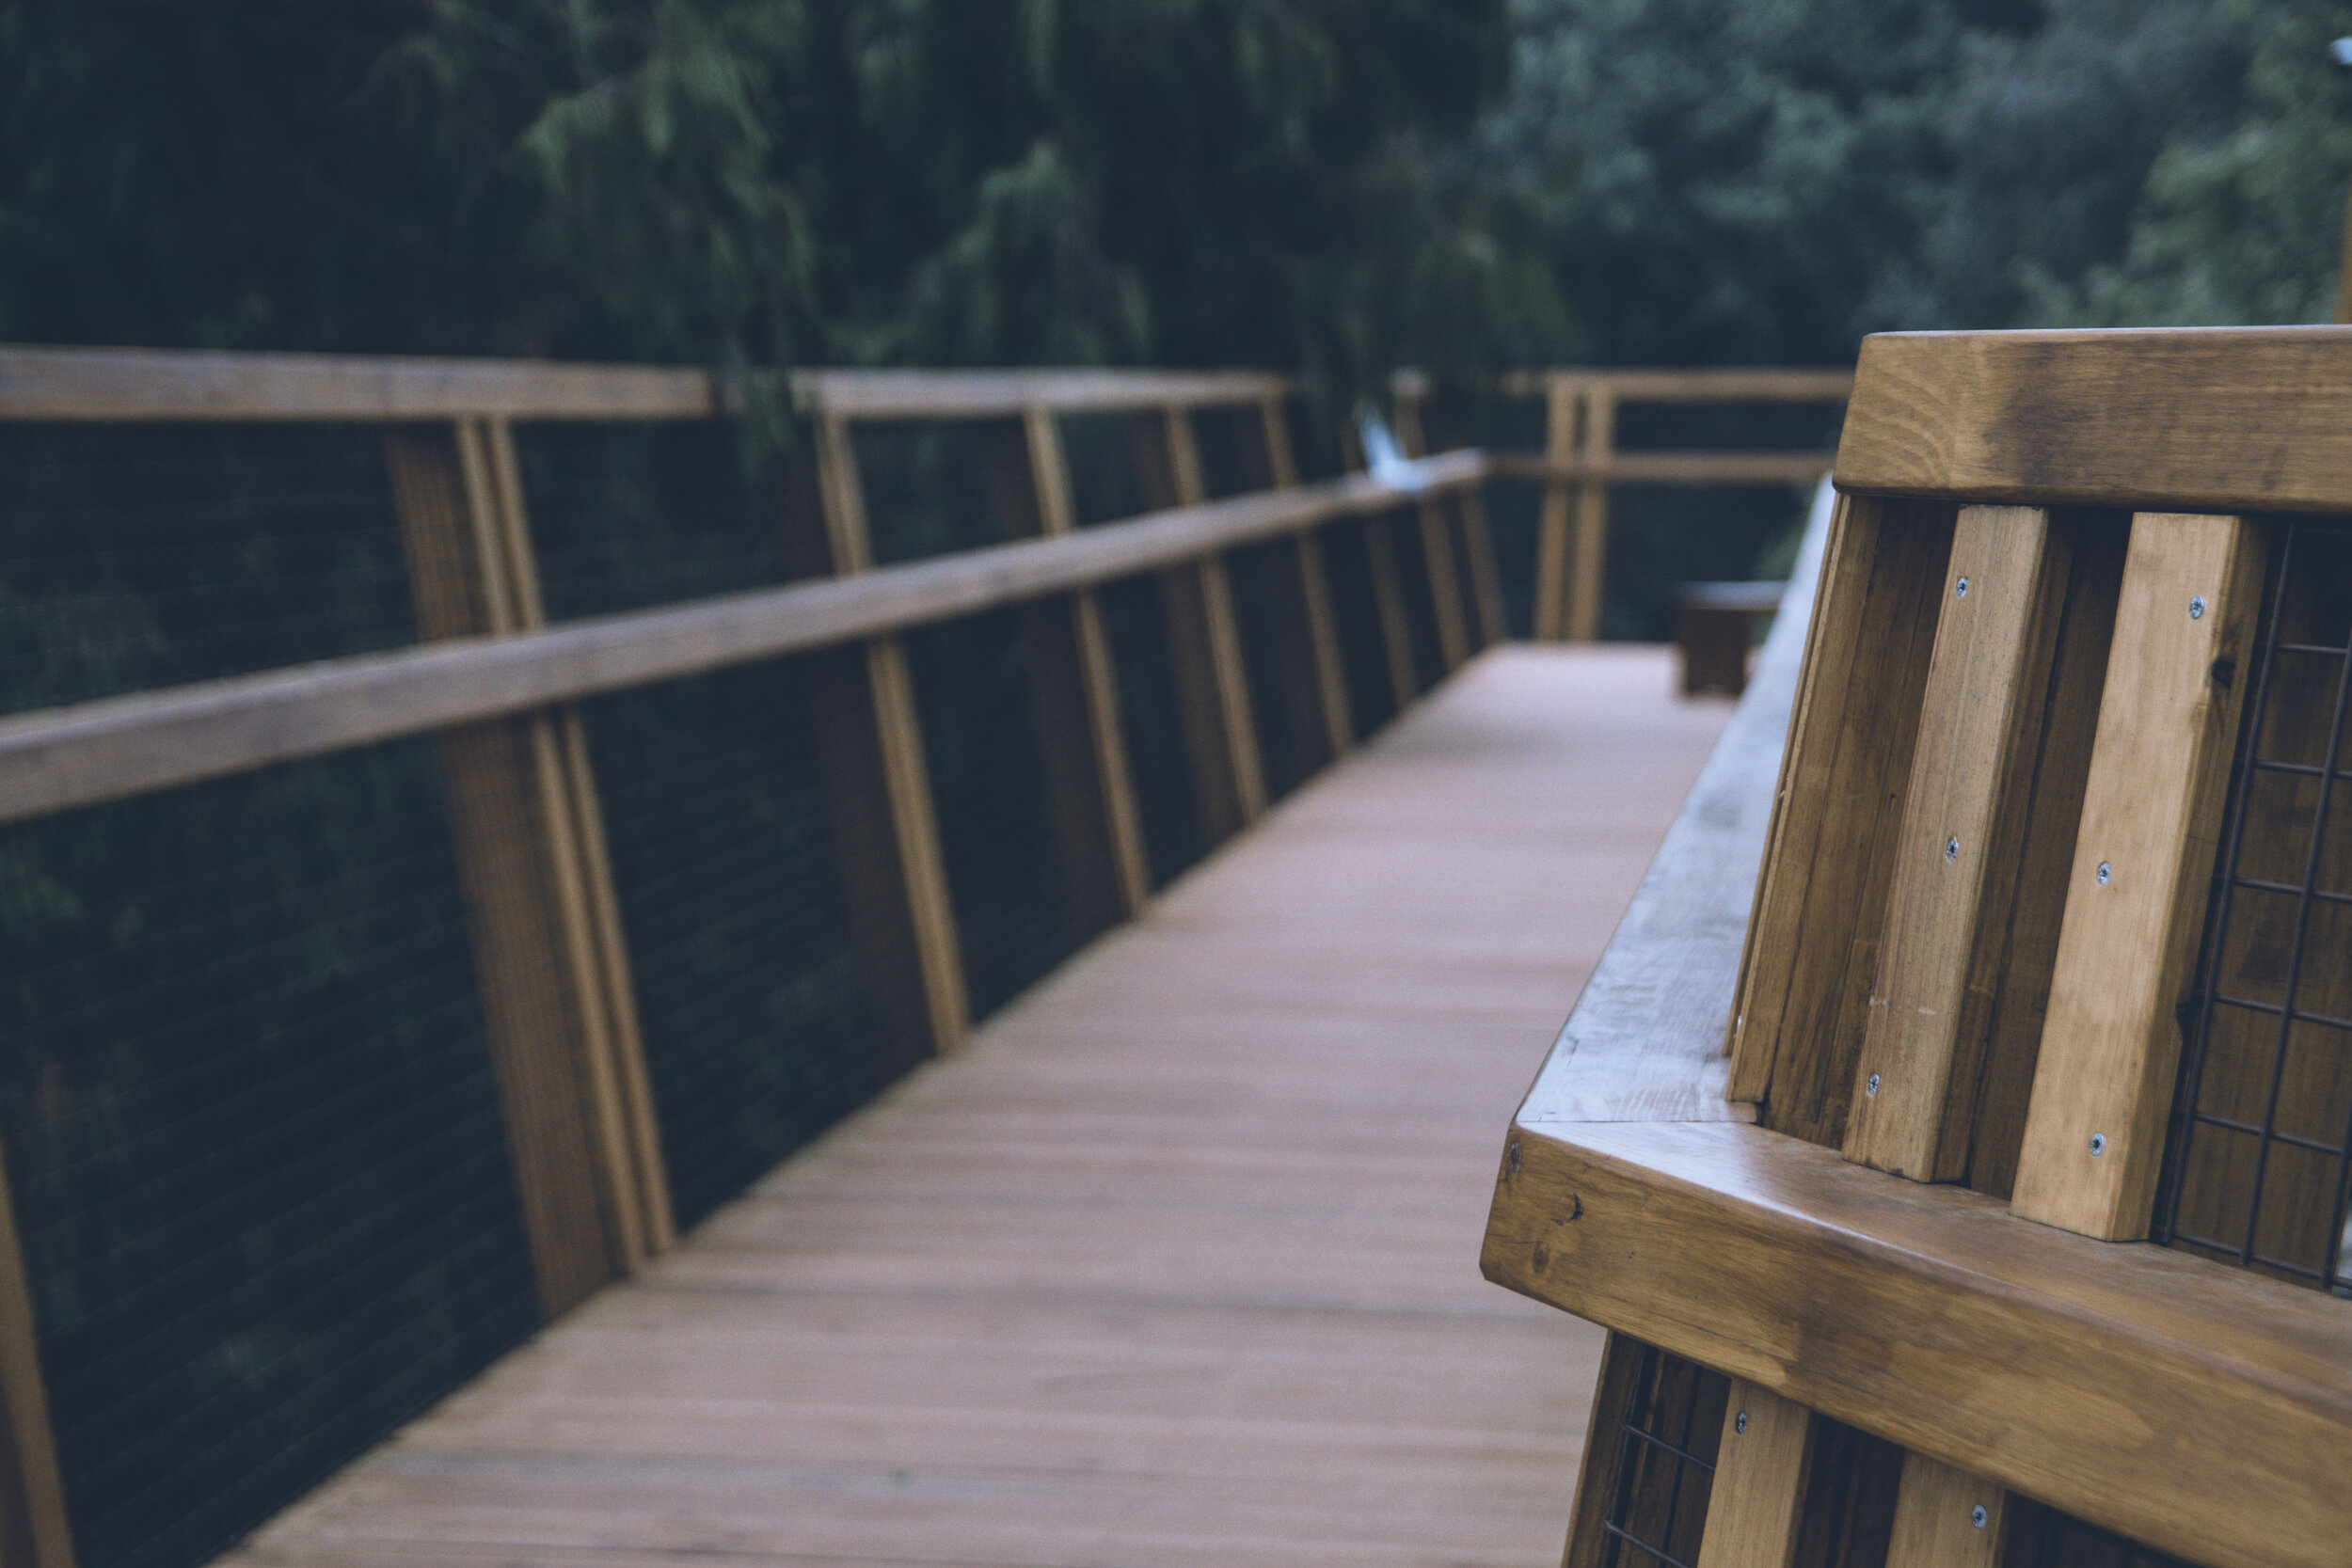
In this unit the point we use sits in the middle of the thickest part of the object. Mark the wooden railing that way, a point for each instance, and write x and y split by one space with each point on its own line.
500 686
1886 1274
1581 462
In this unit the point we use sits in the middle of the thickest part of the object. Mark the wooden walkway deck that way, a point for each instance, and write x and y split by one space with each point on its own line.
1176 1264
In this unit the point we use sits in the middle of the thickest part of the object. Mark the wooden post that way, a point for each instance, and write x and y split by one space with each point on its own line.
35 1531
897 739
1213 693
1445 584
1957 849
555 990
1084 702
1562 404
2167 724
1396 627
1478 544
1760 1475
1946 1518
1590 549
1323 632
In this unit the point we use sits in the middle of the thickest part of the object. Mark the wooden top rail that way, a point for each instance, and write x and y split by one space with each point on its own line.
1759 384
163 385
2199 1409
1669 468
2174 419
121 746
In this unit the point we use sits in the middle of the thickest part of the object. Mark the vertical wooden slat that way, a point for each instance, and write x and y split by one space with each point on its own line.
1445 586
1220 737
1323 630
1958 843
1486 575
1589 549
1110 806
1946 1518
2167 724
1396 627
587 1166
1613 1391
1760 1475
1561 405
1811 955
898 740
35 1531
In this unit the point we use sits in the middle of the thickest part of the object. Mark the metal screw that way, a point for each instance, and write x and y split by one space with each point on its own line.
2197 608
1740 1422
1874 1083
1951 849
1977 1516
2098 1144
2105 872
1959 589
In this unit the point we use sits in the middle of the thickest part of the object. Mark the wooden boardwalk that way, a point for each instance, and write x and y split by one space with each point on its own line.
1176 1264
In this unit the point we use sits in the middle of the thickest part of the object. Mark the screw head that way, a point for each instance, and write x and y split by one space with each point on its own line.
1873 1087
1977 1516
1740 1422
1959 589
2098 1144
2197 608
2105 871
1951 849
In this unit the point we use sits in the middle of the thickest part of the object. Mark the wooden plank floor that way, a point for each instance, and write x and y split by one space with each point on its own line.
1176 1264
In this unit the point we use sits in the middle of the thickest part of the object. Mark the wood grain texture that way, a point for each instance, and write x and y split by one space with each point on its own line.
2152 810
2214 419
1963 829
2203 1410
1613 1391
1812 945
1947 1518
1167 1265
1760 1474
1646 1039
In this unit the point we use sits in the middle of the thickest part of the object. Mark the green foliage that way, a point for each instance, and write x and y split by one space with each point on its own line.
747 181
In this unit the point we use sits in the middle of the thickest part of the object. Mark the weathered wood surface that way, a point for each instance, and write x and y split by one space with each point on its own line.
1646 1040
2166 419
1169 1264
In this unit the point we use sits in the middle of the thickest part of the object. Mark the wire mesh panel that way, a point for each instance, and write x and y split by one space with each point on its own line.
933 487
629 516
1270 606
255 1145
1134 622
1420 605
1233 450
134 556
1356 616
1024 886
2264 1117
767 1009
1100 452
1666 1464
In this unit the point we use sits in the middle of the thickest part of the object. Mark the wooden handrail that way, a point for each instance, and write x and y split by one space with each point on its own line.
121 746
1669 468
151 385
1759 384
2204 1411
